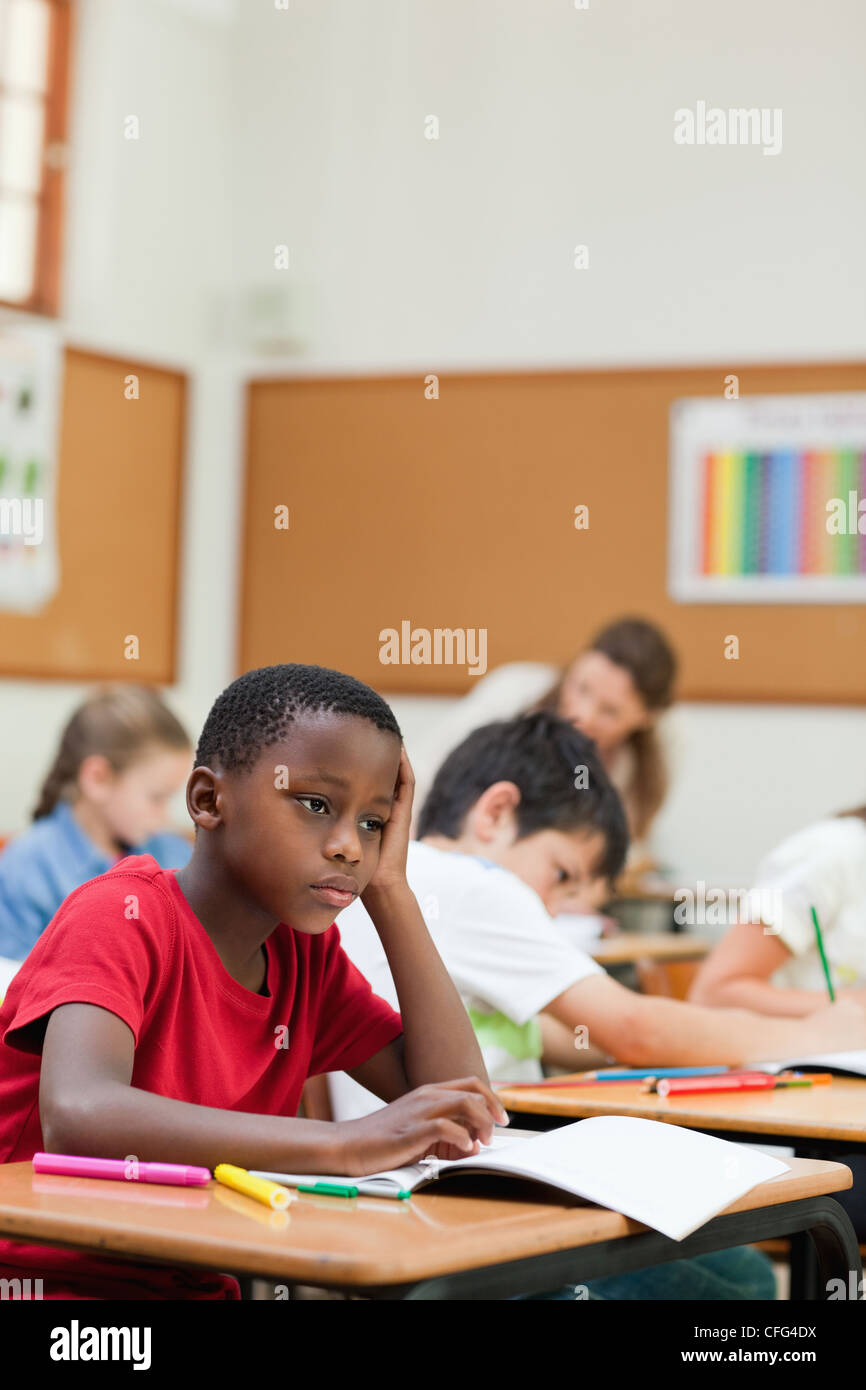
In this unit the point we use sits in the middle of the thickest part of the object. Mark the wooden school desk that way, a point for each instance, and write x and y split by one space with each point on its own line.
816 1121
435 1246
627 947
819 1121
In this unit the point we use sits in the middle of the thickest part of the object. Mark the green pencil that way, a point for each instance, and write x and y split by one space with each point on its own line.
823 956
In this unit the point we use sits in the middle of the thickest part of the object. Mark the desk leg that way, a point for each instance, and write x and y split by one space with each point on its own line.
827 1249
803 1261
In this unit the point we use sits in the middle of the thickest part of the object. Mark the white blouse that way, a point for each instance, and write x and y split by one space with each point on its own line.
823 866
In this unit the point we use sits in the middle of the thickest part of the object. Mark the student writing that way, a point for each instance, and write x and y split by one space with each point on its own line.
505 836
770 962
508 831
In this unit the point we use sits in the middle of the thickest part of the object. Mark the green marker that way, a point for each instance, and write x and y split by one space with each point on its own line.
330 1189
823 956
333 1189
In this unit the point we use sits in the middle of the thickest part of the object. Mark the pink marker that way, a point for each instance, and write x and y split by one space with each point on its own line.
123 1169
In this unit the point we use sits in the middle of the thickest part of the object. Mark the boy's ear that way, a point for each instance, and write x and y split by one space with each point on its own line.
202 798
493 812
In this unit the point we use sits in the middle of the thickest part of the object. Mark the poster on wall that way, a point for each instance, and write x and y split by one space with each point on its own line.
767 499
31 360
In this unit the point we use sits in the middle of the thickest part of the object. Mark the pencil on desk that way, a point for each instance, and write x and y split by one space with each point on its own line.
593 1078
823 956
689 1086
551 1084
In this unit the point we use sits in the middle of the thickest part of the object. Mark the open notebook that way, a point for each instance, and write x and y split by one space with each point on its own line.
668 1177
846 1063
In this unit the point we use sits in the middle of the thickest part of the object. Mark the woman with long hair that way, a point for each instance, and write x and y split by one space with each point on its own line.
614 691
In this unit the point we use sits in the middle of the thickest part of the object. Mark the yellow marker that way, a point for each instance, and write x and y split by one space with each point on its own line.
251 1211
272 1194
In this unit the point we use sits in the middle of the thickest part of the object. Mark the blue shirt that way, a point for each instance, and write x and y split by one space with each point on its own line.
42 866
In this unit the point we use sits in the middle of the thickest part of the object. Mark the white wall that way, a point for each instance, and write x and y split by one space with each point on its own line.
148 258
745 776
556 127
306 126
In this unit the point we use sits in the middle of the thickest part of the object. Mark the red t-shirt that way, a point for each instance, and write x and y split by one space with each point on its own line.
129 942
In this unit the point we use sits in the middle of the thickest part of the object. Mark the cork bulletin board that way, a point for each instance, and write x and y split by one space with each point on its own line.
118 514
460 513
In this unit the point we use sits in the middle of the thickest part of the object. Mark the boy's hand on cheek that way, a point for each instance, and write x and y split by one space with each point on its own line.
445 1120
390 871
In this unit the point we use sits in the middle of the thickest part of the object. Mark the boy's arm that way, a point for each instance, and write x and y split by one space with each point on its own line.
438 1038
737 972
560 1049
88 1106
645 1030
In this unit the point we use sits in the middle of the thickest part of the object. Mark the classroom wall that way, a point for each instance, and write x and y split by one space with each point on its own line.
556 129
147 261
306 127
742 777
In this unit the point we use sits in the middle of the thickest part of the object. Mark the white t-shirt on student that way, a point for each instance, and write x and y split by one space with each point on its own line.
500 946
823 866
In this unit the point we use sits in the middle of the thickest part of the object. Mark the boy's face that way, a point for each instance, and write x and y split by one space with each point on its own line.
560 866
301 832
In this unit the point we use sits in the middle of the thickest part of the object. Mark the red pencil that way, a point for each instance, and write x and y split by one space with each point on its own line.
689 1086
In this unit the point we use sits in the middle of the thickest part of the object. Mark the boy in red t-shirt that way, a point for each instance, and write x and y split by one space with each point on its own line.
175 1015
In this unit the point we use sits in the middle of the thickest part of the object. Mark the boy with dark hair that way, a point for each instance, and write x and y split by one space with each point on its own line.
152 1015
522 822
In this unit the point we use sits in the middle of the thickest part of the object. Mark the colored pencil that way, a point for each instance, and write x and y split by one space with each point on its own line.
820 940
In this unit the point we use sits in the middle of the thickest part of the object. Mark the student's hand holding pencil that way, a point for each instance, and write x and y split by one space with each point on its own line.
839 1027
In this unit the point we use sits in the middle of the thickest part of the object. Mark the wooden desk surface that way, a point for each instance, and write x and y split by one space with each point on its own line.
332 1241
629 946
833 1111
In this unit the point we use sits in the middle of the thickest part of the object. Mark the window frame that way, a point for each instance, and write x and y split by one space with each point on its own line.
44 298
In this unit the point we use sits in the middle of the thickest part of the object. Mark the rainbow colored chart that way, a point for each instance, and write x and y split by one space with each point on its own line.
767 499
767 512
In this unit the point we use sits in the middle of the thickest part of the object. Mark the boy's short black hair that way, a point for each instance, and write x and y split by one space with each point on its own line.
257 709
543 756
